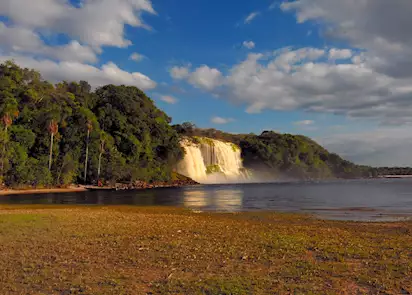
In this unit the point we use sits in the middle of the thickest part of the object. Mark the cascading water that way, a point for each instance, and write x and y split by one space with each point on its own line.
212 161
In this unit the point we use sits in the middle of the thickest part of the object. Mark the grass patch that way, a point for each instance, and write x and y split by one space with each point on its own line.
154 250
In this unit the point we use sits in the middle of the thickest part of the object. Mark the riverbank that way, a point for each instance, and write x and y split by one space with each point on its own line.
131 250
7 192
177 181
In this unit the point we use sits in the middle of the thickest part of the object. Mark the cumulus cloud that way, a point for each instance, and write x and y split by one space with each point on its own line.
335 54
290 79
168 99
137 57
304 123
249 44
220 120
96 22
179 73
389 146
382 29
251 17
89 27
109 73
23 40
206 78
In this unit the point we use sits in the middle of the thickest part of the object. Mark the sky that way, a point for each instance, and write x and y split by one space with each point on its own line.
339 71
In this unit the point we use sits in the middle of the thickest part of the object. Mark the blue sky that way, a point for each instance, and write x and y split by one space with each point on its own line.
329 69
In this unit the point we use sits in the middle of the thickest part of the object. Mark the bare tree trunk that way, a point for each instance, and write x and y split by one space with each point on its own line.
87 156
98 168
4 152
51 150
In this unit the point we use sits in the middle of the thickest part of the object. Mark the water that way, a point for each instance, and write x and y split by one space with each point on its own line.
223 158
362 200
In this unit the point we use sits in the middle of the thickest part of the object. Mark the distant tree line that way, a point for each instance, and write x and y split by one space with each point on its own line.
67 133
394 171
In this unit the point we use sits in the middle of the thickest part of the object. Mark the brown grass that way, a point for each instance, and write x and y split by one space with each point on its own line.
130 250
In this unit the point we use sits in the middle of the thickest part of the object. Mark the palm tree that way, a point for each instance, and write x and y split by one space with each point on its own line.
53 128
7 121
102 150
89 129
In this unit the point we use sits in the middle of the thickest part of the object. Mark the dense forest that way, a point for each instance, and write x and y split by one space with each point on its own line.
67 133
289 155
56 135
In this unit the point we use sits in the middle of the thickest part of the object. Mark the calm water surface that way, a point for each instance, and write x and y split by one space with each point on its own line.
371 200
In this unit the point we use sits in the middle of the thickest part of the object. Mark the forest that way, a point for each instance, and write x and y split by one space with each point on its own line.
294 156
66 133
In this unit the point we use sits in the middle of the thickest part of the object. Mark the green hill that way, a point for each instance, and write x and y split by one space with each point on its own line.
284 155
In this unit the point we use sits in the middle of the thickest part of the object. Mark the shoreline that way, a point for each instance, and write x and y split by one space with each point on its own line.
9 192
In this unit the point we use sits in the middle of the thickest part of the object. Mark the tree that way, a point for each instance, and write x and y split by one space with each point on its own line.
7 121
102 147
89 129
53 129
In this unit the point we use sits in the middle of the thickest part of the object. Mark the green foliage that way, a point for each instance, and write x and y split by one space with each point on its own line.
139 143
203 140
288 155
235 148
213 169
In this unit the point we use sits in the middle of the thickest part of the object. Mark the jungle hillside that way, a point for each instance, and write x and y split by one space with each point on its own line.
68 133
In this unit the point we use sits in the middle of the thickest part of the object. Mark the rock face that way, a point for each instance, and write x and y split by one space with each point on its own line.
177 181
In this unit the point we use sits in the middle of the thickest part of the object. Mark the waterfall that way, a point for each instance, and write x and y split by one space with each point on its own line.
212 161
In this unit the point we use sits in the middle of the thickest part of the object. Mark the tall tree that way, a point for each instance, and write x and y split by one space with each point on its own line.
53 128
102 147
7 121
89 129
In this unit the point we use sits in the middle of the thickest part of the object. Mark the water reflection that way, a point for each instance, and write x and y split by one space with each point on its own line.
195 199
218 200
228 200
351 200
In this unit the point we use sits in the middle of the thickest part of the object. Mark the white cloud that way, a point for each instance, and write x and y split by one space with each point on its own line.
91 26
381 29
389 146
97 22
251 17
304 123
335 54
169 99
300 79
109 73
249 44
137 57
23 40
220 120
206 78
179 73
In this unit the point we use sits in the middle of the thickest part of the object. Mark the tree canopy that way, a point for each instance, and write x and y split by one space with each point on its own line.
59 134
287 155
41 120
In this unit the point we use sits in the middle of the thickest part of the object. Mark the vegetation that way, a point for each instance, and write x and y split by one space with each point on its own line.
65 133
56 135
394 171
284 154
213 169
129 250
